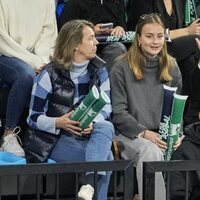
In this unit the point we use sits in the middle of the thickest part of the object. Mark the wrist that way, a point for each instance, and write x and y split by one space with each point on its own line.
142 135
187 30
58 122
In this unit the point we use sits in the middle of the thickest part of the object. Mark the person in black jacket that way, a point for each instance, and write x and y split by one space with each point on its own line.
58 90
190 147
182 45
100 12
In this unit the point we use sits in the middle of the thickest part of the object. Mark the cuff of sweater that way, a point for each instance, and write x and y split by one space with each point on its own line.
142 134
133 131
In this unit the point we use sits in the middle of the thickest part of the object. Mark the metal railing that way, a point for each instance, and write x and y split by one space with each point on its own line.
125 167
167 167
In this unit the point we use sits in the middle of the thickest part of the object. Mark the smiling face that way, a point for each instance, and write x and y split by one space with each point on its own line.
86 50
151 39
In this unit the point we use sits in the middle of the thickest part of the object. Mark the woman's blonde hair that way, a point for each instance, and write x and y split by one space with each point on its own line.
136 57
69 37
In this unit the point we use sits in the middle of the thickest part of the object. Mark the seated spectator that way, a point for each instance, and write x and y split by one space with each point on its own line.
27 40
182 45
190 147
99 12
74 69
137 80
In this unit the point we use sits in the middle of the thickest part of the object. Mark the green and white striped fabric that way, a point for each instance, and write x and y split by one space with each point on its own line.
190 12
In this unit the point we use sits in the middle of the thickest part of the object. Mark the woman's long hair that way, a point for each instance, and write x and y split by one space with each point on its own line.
136 57
69 37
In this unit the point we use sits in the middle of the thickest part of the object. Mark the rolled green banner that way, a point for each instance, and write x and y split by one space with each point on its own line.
190 12
87 102
193 11
166 111
187 13
175 123
94 110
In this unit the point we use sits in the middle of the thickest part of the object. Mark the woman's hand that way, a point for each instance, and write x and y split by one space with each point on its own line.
88 130
118 31
98 29
67 124
194 28
178 142
154 137
38 70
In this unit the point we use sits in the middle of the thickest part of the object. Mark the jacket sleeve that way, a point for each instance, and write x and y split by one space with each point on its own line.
123 121
40 96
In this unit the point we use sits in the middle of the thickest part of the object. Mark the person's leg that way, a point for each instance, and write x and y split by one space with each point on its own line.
19 76
70 149
110 52
188 150
99 145
99 149
141 150
103 183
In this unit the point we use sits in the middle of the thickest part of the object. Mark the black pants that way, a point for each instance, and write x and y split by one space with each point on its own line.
110 51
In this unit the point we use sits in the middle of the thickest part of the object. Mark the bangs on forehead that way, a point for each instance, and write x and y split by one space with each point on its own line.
149 19
151 29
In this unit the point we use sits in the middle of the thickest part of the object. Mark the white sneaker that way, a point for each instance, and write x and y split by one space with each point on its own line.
10 143
86 192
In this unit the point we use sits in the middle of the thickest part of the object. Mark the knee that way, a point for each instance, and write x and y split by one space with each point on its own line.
115 48
104 124
105 128
27 79
120 46
151 152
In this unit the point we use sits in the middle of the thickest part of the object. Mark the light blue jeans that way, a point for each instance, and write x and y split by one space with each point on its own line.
97 148
19 76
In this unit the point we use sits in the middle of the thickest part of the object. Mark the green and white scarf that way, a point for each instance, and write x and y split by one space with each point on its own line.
190 12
